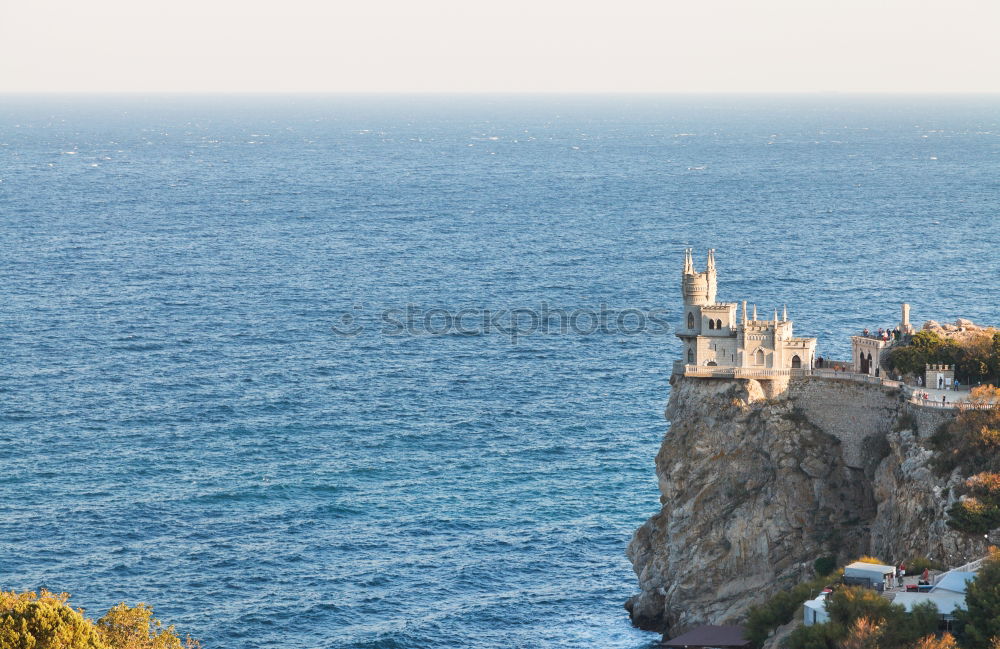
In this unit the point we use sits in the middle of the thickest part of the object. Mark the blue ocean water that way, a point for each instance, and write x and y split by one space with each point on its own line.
181 424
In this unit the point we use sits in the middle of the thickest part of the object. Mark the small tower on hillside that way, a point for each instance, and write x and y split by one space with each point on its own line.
904 323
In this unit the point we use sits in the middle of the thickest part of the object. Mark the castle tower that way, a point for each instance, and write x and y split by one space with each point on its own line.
904 323
698 288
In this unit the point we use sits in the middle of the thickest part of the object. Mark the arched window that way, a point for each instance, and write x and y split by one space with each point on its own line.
718 324
796 362
690 356
758 357
690 321
711 324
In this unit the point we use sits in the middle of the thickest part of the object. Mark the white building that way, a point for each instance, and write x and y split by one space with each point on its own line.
814 611
873 573
712 336
948 594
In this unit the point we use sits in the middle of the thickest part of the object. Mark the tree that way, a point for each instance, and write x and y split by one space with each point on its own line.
863 634
981 616
979 513
817 636
47 621
976 356
136 628
846 605
928 342
931 641
907 359
906 629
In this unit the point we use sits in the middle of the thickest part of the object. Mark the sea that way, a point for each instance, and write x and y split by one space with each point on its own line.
389 371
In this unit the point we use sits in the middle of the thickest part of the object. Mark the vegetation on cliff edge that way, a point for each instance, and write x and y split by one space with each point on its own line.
45 620
971 443
976 357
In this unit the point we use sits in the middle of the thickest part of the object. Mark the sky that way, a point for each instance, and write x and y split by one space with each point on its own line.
634 46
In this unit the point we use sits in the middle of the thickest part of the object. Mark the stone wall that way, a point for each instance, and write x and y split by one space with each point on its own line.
926 421
858 414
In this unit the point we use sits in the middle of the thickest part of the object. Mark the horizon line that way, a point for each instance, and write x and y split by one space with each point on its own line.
552 93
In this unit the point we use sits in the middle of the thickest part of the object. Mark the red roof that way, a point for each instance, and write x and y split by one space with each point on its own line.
711 636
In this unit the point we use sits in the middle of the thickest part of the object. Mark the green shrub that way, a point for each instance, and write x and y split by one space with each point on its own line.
817 636
979 513
825 565
782 607
847 604
916 565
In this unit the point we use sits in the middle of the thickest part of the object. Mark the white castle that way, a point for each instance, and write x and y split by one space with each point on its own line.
712 336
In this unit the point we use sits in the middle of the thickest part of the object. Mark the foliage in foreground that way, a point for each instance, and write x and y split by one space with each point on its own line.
45 620
981 617
782 607
860 618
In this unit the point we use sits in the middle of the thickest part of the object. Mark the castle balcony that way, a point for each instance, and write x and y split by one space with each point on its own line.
718 372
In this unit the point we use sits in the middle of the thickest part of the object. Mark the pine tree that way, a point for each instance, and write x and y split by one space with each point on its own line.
982 606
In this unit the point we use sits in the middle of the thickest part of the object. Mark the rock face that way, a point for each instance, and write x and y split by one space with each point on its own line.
758 479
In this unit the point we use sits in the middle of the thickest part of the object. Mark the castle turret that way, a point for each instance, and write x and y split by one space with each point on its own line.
698 288
904 323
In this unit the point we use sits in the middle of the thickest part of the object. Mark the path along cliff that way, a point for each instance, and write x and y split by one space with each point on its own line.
760 478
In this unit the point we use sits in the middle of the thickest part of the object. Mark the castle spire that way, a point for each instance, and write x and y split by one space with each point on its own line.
784 314
744 311
688 262
775 316
755 312
711 260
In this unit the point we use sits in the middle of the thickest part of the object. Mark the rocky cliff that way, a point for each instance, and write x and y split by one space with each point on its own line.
759 478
